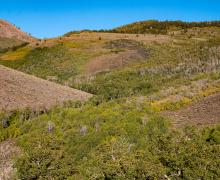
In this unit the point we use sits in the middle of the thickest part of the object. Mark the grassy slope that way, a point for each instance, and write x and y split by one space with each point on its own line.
120 133
64 59
50 61
7 44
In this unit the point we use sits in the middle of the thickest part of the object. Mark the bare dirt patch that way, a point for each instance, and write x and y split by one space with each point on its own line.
8 150
111 61
19 91
122 52
203 112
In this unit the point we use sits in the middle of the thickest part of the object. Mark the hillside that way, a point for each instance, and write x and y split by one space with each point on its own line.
162 27
169 71
154 113
203 112
7 44
8 30
12 38
70 58
20 91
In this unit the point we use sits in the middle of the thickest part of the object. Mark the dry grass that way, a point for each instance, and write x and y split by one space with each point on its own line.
112 61
19 91
8 150
204 112
147 38
6 43
15 55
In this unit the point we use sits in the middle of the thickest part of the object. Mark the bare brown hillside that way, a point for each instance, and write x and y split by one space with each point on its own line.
8 30
203 112
19 91
125 52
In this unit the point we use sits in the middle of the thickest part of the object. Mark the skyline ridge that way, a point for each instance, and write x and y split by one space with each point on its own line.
103 29
45 19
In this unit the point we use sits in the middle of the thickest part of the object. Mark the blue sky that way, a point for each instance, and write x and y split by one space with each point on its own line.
51 18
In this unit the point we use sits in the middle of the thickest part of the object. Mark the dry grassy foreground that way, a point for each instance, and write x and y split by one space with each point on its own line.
19 91
8 150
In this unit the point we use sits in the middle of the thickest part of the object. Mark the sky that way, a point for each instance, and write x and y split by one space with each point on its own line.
52 18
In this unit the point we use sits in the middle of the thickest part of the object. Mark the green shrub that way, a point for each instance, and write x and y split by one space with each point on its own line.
122 141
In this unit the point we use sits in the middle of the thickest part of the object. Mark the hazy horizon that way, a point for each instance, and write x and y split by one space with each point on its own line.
45 19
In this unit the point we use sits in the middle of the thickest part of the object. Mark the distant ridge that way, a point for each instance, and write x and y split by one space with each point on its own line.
8 30
161 27
151 27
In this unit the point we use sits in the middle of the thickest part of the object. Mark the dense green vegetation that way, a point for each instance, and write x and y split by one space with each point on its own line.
120 133
55 61
115 140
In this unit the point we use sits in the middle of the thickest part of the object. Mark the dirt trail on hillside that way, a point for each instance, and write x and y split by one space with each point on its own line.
203 112
19 91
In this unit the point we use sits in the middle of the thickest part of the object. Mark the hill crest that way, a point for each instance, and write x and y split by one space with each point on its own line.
7 30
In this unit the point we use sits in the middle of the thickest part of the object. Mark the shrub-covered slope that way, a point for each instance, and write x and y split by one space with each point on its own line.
116 140
125 130
162 27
